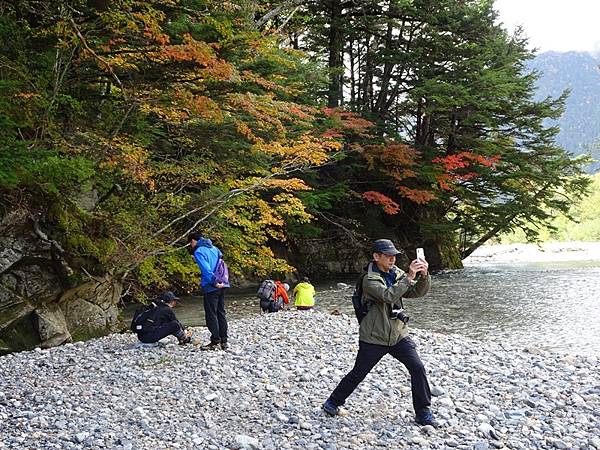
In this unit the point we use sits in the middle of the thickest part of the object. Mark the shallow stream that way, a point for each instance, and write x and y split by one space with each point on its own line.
550 305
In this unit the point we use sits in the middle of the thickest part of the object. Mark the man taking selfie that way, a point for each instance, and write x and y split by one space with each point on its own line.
384 328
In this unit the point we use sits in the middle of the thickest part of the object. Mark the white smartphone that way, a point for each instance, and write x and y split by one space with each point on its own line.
420 254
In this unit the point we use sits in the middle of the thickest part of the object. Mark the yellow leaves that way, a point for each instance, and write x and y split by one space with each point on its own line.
257 220
288 185
27 95
291 206
170 177
119 61
129 158
268 217
174 115
180 105
308 150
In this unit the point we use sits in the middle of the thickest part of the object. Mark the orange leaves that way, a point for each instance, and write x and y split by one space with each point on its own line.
251 77
180 105
389 206
201 54
301 112
207 108
219 70
454 164
190 51
244 130
420 196
332 133
156 36
397 160
345 121
263 110
462 160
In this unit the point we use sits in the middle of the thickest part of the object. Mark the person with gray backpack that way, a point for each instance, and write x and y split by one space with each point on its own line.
273 295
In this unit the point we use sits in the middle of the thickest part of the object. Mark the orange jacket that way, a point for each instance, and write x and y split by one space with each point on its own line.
281 292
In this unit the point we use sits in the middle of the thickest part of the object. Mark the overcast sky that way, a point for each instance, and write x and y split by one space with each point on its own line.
560 25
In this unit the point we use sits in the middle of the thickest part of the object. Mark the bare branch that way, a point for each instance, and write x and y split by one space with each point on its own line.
276 11
287 19
99 58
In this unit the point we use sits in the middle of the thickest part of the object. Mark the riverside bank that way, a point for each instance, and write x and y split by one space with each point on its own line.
267 391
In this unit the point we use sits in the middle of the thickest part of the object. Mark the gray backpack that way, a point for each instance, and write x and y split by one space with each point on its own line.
266 290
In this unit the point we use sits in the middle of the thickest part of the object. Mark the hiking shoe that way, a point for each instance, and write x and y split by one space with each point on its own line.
185 340
224 345
425 417
330 408
211 346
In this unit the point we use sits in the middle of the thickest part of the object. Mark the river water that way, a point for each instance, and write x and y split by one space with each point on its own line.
549 305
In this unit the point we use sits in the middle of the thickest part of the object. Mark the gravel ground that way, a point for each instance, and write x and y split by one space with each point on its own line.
266 393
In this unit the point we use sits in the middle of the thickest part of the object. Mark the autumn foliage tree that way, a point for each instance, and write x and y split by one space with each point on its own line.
459 149
127 127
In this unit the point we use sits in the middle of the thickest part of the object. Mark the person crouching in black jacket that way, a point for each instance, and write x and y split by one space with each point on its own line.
164 322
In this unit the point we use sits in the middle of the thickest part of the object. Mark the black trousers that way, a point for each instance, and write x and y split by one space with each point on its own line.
271 305
216 318
156 334
369 355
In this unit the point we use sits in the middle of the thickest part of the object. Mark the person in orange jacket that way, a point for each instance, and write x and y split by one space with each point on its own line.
280 296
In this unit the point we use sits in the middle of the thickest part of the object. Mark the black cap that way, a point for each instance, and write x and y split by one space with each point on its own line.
386 247
168 297
196 236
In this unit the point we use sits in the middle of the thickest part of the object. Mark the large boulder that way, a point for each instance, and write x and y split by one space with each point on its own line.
38 304
91 309
51 326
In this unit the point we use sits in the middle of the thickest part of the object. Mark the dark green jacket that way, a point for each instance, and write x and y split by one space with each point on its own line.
377 327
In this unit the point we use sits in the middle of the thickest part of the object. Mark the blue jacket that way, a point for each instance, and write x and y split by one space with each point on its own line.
206 256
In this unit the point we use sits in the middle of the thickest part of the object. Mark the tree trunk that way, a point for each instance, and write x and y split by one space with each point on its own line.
336 62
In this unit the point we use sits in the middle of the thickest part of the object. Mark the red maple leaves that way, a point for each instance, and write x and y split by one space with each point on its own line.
389 206
455 164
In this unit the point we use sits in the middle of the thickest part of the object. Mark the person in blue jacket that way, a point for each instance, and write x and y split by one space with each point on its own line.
206 255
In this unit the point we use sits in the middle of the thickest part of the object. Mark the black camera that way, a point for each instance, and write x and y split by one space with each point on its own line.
399 314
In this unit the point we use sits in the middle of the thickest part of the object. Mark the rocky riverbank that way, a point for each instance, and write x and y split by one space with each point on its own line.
267 391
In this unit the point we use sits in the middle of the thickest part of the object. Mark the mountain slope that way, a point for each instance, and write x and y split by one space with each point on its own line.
580 124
